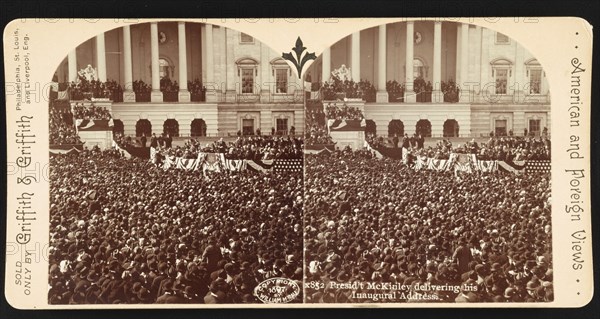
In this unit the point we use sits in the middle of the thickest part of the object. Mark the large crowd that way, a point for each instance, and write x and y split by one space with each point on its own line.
482 237
257 148
62 128
503 148
125 232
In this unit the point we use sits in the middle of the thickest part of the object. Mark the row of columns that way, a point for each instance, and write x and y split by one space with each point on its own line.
409 95
156 95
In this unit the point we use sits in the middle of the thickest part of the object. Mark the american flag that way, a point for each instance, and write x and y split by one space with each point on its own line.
288 165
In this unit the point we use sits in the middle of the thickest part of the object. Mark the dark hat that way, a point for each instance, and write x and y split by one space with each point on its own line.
471 297
496 267
143 295
509 292
92 276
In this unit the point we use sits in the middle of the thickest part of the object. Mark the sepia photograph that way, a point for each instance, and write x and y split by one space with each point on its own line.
427 174
223 163
175 169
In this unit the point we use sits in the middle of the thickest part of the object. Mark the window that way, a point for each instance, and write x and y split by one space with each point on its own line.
535 75
502 38
244 38
247 70
163 68
501 80
281 80
248 126
247 80
500 127
282 126
280 71
535 81
535 127
418 69
501 73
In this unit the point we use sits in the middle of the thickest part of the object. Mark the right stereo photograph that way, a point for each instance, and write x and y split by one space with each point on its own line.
427 168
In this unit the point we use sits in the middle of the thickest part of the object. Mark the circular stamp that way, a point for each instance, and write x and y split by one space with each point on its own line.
277 290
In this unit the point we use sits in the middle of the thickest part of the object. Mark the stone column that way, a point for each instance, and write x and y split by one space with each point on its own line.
409 94
222 62
382 94
101 57
437 96
233 80
464 62
128 94
210 65
156 95
326 64
519 79
355 62
184 94
72 62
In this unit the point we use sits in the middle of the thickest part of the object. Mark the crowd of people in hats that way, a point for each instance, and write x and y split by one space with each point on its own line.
125 232
316 129
91 112
87 88
503 148
509 149
62 128
316 121
257 148
482 237
345 112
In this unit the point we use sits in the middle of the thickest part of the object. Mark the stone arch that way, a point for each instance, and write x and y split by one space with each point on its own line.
451 128
118 127
171 127
423 128
198 127
143 127
371 127
396 127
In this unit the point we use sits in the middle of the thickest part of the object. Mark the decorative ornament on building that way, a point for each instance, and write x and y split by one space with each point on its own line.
88 73
343 73
418 37
162 37
299 61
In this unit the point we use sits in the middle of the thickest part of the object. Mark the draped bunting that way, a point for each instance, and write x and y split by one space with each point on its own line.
377 153
216 162
438 164
456 162
121 150
487 166
56 151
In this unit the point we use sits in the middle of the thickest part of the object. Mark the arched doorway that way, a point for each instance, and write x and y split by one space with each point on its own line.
371 128
171 127
423 128
451 128
396 127
118 127
198 128
143 127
